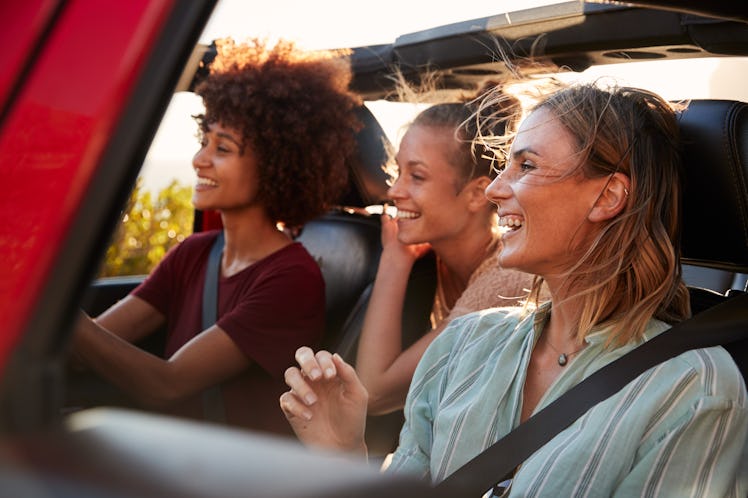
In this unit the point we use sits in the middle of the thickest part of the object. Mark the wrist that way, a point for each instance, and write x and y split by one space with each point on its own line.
358 449
396 260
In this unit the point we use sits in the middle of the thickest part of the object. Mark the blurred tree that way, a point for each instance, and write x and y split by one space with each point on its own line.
149 228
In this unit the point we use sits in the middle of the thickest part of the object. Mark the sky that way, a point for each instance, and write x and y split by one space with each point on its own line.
318 24
312 24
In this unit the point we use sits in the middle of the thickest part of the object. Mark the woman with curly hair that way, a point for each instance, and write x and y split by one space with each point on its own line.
276 139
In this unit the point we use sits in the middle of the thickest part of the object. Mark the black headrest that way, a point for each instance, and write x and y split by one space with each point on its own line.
346 248
368 179
715 194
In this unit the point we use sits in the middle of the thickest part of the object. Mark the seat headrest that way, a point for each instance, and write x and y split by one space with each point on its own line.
368 179
715 192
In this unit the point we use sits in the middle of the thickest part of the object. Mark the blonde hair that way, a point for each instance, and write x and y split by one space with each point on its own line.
466 113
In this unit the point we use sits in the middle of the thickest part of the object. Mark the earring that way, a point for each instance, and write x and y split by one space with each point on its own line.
626 191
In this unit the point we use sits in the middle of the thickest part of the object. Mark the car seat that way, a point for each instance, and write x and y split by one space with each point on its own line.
715 199
346 243
714 135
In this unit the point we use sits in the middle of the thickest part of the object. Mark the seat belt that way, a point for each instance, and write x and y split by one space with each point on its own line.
213 409
722 324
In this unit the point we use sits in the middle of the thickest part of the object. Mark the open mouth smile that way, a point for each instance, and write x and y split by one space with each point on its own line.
407 215
206 182
510 223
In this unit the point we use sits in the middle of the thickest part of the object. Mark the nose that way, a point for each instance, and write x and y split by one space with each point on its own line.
396 190
200 159
498 190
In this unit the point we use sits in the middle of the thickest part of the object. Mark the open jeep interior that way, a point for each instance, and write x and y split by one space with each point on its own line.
68 433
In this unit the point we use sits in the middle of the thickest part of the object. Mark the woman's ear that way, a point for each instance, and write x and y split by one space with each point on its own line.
613 198
476 192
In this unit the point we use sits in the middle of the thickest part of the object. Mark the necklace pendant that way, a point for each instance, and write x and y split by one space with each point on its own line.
562 360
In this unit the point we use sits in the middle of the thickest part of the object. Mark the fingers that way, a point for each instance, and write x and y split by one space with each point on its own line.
389 226
312 367
300 388
348 375
308 363
324 359
346 372
316 365
293 408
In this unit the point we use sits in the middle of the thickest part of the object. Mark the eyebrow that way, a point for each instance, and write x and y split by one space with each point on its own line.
228 137
410 164
520 152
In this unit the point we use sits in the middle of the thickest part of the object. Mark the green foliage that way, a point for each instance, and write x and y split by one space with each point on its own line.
149 228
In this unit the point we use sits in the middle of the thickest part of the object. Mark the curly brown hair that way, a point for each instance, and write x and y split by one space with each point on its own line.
294 110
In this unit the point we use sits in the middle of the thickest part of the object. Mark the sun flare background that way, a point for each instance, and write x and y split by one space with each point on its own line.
327 24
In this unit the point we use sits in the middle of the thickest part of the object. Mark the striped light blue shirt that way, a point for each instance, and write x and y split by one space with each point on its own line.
677 430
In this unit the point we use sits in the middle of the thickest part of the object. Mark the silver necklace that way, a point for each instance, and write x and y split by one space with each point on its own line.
563 358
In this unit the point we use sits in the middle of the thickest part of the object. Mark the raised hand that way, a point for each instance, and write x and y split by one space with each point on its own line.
393 247
326 405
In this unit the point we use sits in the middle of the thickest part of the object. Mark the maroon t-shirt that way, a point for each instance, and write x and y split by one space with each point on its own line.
269 310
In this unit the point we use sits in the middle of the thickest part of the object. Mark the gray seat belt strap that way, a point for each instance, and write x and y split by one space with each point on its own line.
213 408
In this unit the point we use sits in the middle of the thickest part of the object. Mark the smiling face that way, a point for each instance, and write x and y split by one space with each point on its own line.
545 208
429 206
227 176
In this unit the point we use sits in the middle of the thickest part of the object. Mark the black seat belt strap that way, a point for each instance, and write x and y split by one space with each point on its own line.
722 324
213 408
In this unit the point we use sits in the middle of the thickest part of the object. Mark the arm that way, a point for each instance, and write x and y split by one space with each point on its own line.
418 435
382 365
142 311
702 452
131 318
206 360
326 405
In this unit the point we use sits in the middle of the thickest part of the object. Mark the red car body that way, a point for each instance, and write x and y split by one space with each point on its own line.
83 87
69 73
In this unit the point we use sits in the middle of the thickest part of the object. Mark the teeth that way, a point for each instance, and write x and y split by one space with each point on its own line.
379 209
510 222
206 181
406 214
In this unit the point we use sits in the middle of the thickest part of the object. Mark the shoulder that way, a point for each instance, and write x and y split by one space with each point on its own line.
697 380
699 395
471 340
505 284
293 257
484 327
191 252
490 285
198 241
291 271
713 370
295 251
